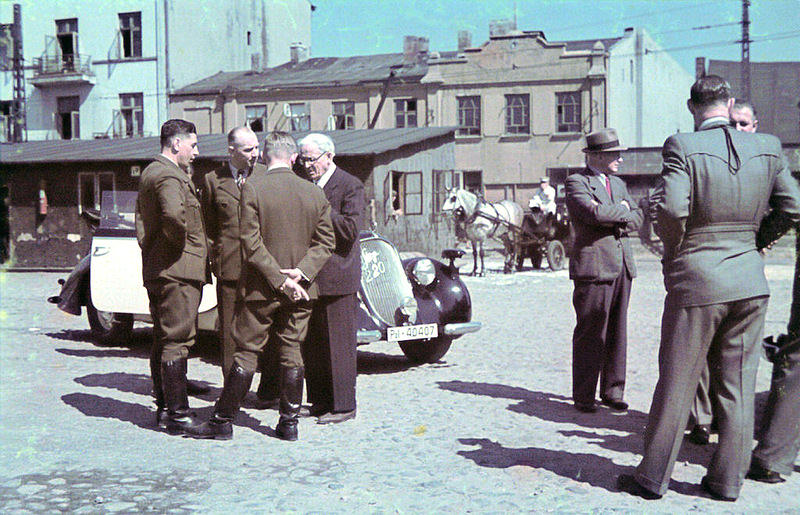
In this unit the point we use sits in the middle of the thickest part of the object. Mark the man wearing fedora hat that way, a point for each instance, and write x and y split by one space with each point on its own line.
602 268
716 186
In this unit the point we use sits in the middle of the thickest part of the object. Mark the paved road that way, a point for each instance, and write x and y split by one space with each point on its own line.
488 429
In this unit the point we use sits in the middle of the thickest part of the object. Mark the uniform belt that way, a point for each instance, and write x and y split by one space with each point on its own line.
722 227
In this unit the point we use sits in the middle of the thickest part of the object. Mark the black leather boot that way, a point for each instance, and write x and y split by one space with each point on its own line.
220 425
158 389
291 399
179 419
269 390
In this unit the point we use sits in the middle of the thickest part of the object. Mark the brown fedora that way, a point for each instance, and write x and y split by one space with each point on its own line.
604 140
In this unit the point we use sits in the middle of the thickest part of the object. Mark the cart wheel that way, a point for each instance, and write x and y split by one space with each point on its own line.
555 255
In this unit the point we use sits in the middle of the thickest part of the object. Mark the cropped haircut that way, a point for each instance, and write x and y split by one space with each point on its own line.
173 128
280 145
710 90
321 141
744 104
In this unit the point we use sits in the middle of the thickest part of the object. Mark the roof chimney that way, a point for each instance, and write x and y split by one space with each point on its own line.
464 40
298 52
415 49
501 27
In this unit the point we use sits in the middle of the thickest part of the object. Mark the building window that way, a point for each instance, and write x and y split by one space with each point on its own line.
568 111
473 181
469 116
91 186
408 186
344 115
517 114
443 182
131 115
405 113
130 30
256 117
301 119
68 117
67 37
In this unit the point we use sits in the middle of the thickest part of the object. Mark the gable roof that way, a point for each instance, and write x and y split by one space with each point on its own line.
317 71
212 146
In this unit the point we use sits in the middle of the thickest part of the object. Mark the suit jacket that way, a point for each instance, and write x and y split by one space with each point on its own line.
285 222
709 206
221 215
601 225
169 224
341 275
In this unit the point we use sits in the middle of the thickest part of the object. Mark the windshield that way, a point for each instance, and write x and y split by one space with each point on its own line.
117 209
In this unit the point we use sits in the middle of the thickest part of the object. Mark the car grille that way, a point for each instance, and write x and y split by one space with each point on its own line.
383 280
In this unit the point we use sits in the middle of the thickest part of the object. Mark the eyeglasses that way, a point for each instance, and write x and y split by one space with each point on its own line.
308 160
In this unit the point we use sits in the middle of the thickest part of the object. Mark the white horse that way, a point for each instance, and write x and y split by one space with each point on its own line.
481 220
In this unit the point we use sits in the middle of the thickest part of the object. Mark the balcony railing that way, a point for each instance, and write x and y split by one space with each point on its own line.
62 70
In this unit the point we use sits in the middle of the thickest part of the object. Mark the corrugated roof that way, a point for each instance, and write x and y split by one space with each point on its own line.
212 146
317 71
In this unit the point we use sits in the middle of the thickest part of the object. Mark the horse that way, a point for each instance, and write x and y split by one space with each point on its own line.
482 220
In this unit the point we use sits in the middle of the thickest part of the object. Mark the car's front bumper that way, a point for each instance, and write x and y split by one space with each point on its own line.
454 329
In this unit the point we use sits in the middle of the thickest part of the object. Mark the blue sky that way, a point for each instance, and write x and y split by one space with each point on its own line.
359 27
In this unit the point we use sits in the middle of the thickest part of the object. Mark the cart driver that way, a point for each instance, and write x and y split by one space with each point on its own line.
545 197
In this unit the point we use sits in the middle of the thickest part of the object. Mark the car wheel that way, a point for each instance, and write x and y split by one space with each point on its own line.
555 255
426 351
109 328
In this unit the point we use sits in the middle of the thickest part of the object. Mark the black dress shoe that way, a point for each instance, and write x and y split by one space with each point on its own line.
714 494
314 410
765 475
627 483
700 434
615 405
586 408
335 418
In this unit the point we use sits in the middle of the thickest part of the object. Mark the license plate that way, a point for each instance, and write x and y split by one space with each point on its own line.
412 332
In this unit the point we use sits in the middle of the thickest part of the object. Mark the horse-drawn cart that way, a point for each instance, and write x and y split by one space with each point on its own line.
544 235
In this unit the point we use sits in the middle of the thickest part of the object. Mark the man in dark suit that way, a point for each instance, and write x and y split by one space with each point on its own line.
221 191
779 439
169 228
287 237
717 184
330 349
602 266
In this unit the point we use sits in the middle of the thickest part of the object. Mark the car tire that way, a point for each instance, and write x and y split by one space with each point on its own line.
426 351
109 328
555 255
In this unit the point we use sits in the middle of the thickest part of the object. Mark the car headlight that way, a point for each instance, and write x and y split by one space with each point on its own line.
424 272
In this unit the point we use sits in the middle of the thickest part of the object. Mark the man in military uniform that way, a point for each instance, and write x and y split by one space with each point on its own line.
717 184
169 228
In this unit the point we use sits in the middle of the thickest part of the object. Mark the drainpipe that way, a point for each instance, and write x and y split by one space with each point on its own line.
166 49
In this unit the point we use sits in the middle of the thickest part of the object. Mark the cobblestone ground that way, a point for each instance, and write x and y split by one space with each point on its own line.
488 429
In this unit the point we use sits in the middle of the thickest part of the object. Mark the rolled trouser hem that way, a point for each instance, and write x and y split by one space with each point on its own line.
723 489
781 468
648 484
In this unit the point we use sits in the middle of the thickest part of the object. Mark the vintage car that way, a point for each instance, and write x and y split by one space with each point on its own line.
420 303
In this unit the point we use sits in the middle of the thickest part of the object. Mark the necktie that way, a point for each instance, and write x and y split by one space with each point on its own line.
240 178
608 186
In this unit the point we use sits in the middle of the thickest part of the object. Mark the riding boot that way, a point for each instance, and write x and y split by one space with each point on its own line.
179 419
291 399
219 426
268 392
158 389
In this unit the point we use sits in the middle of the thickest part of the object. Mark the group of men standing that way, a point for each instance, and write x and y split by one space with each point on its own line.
724 195
285 253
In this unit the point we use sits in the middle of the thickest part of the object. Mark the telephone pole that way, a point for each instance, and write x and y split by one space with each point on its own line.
746 49
18 123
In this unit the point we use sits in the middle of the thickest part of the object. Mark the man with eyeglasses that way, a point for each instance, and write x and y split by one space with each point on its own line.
329 351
